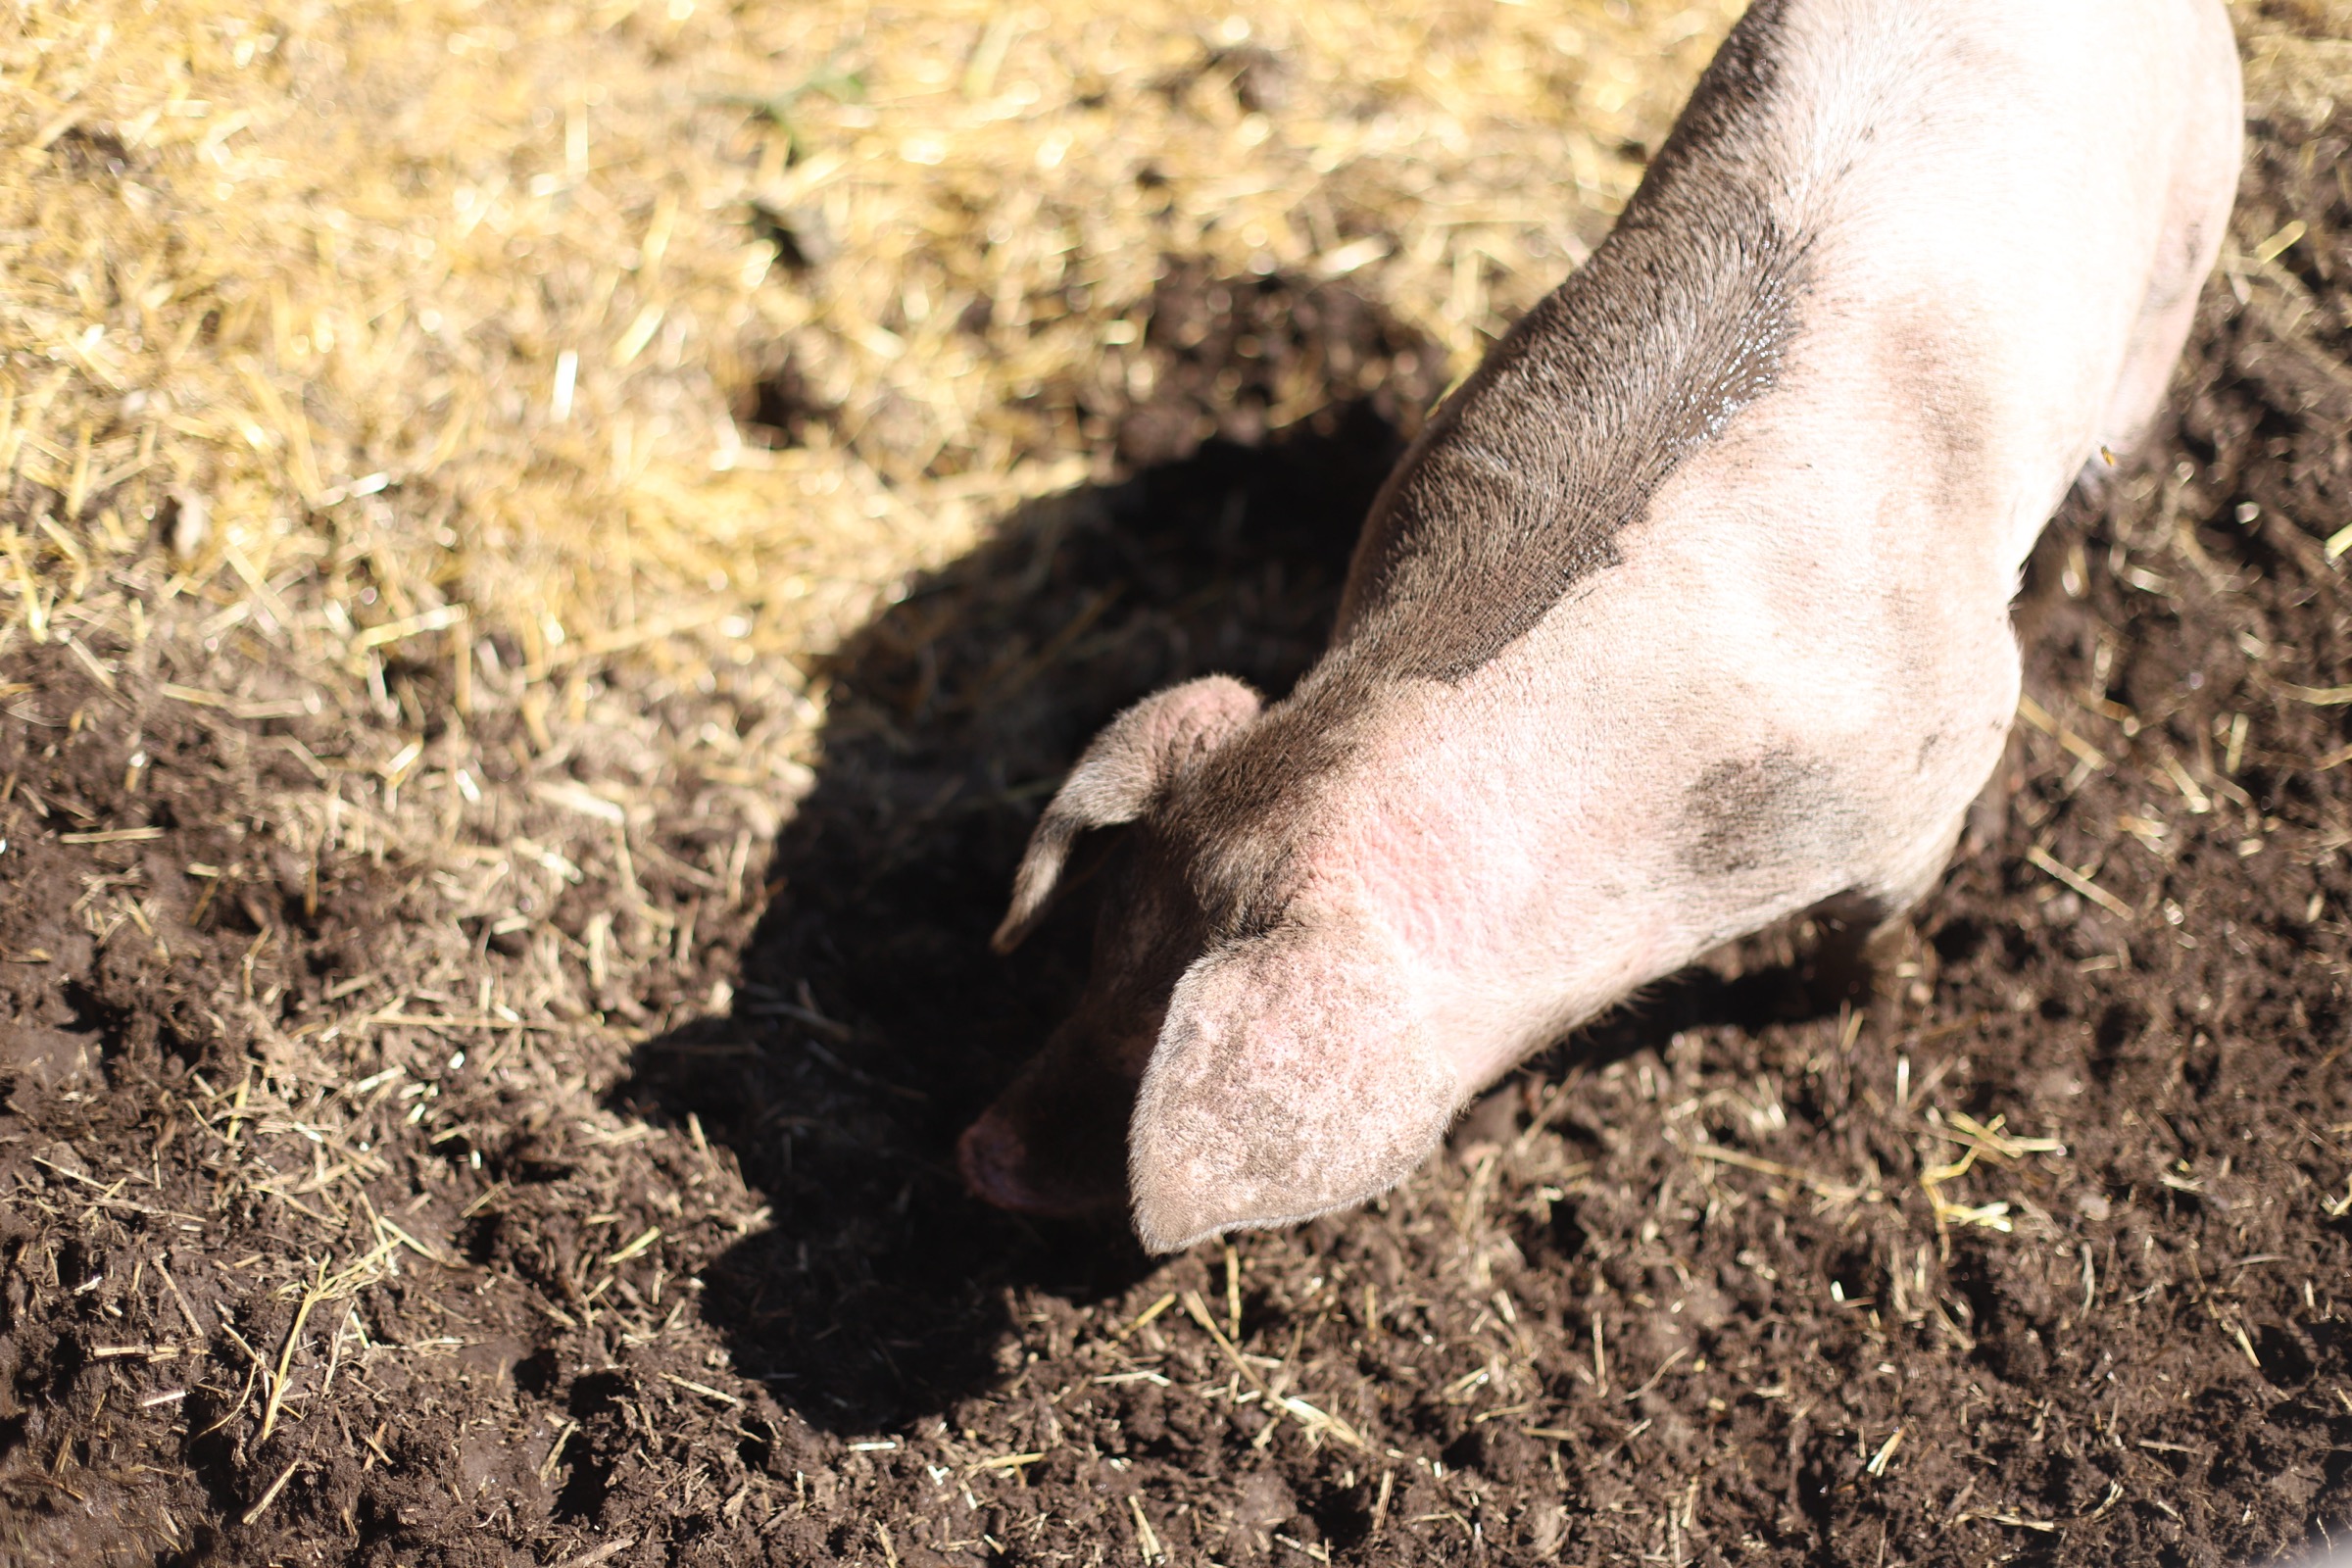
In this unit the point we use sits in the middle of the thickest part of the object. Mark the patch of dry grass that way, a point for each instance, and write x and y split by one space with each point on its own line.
433 320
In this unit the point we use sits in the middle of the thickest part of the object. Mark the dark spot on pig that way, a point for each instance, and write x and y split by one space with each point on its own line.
1948 414
1522 482
1238 819
1747 815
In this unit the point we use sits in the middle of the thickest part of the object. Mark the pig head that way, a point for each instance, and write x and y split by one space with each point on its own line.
1251 1040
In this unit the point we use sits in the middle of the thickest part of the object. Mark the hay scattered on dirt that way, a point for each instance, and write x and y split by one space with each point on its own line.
592 323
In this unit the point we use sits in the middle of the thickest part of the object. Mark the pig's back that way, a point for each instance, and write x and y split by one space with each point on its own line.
1885 278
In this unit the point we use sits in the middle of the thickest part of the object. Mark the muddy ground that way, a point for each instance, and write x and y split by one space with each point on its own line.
355 1213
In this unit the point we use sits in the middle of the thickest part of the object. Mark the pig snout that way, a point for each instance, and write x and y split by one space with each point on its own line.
1053 1144
996 1166
1003 1167
1056 1142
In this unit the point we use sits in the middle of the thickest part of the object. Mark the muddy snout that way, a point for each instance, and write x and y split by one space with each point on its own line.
1055 1144
995 1164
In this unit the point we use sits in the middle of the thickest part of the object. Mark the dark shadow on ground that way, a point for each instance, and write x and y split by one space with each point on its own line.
871 1021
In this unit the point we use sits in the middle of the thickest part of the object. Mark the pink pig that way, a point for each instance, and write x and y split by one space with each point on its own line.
1688 611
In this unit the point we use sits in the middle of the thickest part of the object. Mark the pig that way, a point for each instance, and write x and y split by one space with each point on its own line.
1685 615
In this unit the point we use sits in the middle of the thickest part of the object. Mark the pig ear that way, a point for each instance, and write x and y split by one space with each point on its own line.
1134 757
1289 1079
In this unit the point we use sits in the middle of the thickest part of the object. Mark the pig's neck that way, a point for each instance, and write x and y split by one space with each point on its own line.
1487 829
1674 757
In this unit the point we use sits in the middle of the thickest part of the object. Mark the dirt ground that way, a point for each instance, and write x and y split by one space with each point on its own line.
2041 1257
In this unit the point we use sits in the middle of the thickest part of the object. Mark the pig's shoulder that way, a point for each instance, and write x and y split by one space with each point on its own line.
1520 488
